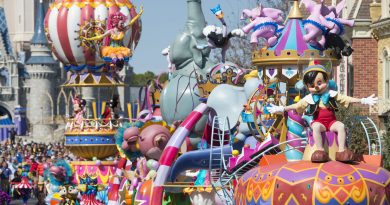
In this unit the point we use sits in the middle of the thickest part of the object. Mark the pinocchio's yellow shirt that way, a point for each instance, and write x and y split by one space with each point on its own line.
343 100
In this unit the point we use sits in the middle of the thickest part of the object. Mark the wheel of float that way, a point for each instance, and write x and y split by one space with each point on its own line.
91 29
264 122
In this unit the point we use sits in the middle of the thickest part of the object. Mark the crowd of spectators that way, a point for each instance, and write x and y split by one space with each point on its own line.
22 158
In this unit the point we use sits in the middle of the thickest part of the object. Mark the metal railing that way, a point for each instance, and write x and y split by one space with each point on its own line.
93 124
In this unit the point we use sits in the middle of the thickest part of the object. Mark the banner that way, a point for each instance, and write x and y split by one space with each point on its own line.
271 72
290 71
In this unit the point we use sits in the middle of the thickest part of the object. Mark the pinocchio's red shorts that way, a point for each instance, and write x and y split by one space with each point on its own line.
325 116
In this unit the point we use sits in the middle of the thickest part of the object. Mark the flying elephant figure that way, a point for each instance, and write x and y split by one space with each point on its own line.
265 23
333 37
316 25
335 17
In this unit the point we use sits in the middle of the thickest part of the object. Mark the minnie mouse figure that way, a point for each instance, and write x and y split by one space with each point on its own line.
321 103
78 109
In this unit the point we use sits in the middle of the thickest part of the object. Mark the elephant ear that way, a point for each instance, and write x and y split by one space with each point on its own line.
340 6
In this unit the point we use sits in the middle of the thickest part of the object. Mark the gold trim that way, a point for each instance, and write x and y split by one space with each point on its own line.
88 163
90 145
295 13
93 4
288 57
90 81
91 151
86 133
95 85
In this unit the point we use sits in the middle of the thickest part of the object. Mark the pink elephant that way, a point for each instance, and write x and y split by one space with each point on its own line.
316 24
152 141
130 138
334 16
265 23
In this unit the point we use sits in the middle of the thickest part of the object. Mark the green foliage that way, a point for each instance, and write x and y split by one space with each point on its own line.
163 78
386 147
357 141
140 79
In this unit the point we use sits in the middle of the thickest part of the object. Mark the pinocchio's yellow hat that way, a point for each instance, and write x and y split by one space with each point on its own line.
315 65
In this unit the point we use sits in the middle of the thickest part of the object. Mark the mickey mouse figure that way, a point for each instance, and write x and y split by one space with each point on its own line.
321 103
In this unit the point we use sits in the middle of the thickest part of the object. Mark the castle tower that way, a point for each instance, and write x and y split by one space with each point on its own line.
43 71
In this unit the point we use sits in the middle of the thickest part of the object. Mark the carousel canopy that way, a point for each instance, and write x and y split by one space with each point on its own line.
291 48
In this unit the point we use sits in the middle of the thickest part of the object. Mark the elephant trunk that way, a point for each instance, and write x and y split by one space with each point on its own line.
195 18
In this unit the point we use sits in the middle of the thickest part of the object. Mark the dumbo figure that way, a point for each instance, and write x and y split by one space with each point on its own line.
179 97
226 101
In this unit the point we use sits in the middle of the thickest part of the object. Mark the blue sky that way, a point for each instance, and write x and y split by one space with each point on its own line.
162 20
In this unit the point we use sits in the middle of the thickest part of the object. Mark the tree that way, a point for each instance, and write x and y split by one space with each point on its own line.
386 147
357 141
141 79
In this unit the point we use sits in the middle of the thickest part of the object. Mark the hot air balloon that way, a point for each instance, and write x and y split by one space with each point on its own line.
68 23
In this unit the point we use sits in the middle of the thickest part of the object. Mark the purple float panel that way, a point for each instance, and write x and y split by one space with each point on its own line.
330 143
20 121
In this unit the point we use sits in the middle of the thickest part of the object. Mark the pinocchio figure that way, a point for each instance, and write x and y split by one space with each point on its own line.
322 104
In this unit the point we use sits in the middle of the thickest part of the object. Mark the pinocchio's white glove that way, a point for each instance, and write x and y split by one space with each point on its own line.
372 100
275 109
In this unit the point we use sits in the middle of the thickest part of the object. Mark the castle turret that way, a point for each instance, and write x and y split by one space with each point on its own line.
42 83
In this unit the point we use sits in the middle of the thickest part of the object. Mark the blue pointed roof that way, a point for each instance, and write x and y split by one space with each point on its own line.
40 39
4 32
39 32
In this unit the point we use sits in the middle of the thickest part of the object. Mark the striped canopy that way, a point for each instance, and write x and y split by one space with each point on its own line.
24 184
292 38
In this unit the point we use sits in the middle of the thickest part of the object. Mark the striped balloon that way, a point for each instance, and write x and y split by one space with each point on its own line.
65 17
172 149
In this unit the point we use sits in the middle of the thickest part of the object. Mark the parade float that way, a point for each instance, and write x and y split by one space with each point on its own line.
94 40
253 155
215 133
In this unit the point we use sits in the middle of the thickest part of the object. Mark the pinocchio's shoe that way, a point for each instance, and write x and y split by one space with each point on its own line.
319 156
345 156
